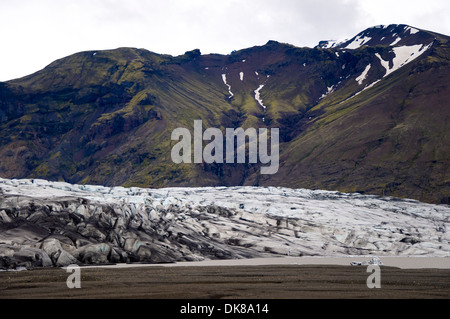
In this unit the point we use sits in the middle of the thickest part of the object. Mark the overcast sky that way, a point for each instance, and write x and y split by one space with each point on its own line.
36 32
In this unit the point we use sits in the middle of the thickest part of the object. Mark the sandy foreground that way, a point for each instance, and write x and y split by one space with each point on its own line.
399 262
266 278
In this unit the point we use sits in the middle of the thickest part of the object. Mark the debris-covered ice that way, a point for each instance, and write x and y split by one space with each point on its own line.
56 223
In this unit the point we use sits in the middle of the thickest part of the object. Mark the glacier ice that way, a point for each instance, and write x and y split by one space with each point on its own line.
96 224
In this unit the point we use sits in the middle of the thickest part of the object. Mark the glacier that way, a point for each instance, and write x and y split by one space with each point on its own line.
44 223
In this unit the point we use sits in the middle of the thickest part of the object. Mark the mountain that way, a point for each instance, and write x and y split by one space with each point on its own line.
369 114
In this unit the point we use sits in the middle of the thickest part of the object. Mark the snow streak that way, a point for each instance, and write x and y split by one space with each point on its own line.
258 96
224 78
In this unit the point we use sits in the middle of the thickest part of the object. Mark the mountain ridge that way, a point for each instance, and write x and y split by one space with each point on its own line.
372 118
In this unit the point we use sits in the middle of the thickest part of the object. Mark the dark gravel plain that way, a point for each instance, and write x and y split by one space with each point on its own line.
227 282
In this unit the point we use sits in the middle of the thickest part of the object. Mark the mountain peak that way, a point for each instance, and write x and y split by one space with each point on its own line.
382 35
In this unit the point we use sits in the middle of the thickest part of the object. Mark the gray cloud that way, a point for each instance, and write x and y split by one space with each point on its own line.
39 32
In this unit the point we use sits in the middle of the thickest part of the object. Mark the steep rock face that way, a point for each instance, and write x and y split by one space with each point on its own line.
369 114
46 224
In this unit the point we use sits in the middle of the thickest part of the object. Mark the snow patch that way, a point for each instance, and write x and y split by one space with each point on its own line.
330 44
258 96
411 30
370 85
403 55
396 41
363 75
358 42
224 78
357 93
384 64
329 90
